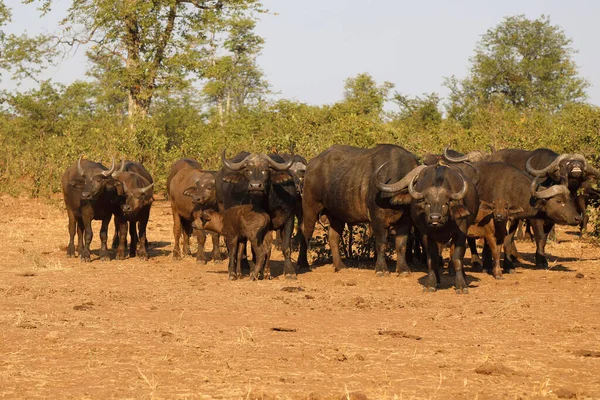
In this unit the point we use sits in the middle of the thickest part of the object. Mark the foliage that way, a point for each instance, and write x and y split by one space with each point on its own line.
525 63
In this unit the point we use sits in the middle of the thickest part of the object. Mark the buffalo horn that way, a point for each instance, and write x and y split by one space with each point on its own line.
549 192
281 166
455 159
79 167
145 189
120 170
463 191
111 170
233 166
401 184
542 172
412 191
492 148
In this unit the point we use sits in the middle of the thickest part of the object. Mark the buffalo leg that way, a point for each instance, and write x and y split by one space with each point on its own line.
401 240
336 229
460 282
134 238
494 242
87 235
115 241
433 265
268 241
258 245
142 247
541 229
176 234
232 249
104 256
186 229
380 231
286 246
310 213
302 253
80 232
121 223
216 252
72 231
201 237
510 250
475 259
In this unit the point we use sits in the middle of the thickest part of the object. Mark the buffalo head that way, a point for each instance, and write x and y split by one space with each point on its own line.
499 209
91 181
259 170
556 202
203 191
564 167
136 190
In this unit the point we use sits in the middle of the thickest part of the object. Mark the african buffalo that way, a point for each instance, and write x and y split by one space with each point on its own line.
238 224
340 182
89 193
265 182
543 206
444 203
136 197
191 190
568 169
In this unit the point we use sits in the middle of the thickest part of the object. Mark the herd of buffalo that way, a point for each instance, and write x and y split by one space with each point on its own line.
450 198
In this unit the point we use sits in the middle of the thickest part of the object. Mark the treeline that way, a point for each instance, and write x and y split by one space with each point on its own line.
47 129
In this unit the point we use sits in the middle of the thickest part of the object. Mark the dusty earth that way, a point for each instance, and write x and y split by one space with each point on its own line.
166 329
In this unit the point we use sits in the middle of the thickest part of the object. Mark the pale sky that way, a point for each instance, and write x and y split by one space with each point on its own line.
312 46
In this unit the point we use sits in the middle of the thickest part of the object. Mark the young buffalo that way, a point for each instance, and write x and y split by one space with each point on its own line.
491 224
238 224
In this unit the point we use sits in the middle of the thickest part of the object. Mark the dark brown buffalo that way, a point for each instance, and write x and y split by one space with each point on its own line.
265 182
238 224
444 204
191 190
135 199
568 169
340 182
89 193
544 206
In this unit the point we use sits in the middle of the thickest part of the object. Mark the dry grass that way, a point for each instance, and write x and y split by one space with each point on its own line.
165 329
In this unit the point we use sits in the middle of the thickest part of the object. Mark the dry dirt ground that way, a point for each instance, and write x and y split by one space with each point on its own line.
166 329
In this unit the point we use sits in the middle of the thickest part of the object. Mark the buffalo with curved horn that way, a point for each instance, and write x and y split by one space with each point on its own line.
89 192
135 187
444 205
264 181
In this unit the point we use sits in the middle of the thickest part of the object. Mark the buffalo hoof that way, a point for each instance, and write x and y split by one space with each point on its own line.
253 276
499 277
104 257
120 255
510 271
85 259
462 291
429 289
381 274
203 262
292 277
232 277
403 274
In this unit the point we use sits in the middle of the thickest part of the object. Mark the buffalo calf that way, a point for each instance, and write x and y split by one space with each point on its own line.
237 224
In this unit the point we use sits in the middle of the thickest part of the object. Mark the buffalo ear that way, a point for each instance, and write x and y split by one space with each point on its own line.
401 199
512 210
189 191
233 178
114 184
485 206
78 183
539 204
459 211
280 177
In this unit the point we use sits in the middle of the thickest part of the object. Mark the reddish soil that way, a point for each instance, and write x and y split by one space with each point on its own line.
166 329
